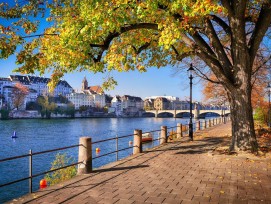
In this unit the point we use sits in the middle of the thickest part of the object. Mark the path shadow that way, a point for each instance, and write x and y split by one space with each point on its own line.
120 168
196 147
191 152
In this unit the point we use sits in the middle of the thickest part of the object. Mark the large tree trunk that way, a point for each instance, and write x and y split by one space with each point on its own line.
243 133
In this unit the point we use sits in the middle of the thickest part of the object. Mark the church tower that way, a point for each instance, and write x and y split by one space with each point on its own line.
84 84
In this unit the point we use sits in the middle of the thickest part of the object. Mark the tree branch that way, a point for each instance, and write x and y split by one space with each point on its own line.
228 5
143 47
38 35
259 67
222 23
261 27
182 56
105 45
204 76
218 48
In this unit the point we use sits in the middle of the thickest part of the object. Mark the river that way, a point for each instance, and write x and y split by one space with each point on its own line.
41 134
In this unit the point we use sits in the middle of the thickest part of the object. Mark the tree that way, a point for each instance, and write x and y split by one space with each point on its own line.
19 92
83 108
101 36
70 110
47 105
215 93
32 105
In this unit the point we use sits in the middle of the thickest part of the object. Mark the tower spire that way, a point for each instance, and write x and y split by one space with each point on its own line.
84 84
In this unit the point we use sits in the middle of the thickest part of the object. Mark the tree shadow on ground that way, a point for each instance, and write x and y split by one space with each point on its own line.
198 146
119 168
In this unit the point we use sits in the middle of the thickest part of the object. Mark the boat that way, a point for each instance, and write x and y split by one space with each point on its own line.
14 135
147 137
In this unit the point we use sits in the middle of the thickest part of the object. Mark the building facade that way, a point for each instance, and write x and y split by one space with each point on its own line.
81 99
89 96
37 86
149 104
116 105
161 103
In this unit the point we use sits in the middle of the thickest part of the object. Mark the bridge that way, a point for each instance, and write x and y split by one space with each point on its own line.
181 113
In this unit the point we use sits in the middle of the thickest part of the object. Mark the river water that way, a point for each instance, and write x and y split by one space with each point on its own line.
41 134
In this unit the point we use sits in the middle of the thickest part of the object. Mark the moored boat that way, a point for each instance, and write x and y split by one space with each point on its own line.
147 137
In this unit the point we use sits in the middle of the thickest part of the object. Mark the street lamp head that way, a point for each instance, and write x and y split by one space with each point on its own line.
191 70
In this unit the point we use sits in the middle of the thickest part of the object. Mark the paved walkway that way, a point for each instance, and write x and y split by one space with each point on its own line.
179 172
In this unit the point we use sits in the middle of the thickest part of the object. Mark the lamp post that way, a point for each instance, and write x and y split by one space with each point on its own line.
224 115
269 90
190 73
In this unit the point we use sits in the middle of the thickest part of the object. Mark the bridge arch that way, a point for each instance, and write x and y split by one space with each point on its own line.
148 114
183 115
165 115
209 114
227 114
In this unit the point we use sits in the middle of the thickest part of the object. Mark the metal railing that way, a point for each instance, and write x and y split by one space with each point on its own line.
117 146
184 130
31 176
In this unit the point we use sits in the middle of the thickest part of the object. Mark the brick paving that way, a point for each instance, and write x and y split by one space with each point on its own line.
178 172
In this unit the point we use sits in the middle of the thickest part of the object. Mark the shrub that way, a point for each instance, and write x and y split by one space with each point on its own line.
261 116
58 176
4 114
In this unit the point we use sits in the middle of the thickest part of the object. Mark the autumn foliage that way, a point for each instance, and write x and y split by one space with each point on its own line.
19 92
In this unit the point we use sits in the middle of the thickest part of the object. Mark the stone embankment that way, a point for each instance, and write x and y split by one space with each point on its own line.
177 172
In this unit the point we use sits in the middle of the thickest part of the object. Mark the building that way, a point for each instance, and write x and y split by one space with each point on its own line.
132 101
40 84
168 102
36 85
161 103
108 100
81 99
131 105
169 98
179 105
96 92
127 105
149 104
89 96
116 105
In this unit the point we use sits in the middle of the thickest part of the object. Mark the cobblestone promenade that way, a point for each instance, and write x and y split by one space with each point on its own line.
179 172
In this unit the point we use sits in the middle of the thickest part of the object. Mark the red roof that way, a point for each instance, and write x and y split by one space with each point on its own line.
96 89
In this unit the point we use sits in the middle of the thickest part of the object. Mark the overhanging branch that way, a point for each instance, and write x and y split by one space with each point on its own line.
105 45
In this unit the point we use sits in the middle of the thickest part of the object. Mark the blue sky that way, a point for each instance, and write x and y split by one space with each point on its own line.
154 82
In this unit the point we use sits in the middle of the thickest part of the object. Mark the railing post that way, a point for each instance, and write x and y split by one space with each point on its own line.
30 171
117 148
137 142
163 138
205 124
179 130
85 156
210 124
198 124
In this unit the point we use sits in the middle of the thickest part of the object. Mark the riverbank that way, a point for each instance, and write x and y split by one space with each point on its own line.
177 172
